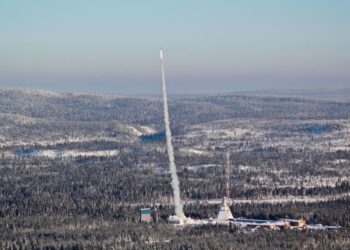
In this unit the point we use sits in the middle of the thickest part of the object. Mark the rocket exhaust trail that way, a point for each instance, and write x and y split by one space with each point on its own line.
174 178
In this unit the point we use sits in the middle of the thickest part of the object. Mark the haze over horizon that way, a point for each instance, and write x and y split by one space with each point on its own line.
210 47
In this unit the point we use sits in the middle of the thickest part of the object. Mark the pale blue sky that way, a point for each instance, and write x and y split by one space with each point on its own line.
210 46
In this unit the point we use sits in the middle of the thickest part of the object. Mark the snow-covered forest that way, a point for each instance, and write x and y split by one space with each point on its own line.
77 168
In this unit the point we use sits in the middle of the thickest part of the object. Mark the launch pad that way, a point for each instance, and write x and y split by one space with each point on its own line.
225 217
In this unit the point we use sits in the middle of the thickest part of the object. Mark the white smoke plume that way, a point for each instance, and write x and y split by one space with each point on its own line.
174 178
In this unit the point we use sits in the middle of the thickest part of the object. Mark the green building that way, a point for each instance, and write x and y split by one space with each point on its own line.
146 215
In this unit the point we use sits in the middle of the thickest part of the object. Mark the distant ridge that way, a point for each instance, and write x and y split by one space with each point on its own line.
37 103
331 94
341 94
31 91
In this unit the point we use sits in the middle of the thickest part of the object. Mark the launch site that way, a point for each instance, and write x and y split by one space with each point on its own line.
272 174
174 125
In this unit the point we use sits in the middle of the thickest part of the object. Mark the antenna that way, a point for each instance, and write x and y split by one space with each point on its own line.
228 174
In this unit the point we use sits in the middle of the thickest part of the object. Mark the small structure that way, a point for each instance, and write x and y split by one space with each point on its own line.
146 215
295 223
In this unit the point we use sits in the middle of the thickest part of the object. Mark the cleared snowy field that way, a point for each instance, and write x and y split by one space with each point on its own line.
249 134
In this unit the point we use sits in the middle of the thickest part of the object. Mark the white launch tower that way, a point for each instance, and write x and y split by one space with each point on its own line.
224 213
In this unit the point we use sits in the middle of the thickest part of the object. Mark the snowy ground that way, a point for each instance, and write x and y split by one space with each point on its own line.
248 133
75 153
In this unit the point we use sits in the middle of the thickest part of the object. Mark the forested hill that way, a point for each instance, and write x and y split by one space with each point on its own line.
43 104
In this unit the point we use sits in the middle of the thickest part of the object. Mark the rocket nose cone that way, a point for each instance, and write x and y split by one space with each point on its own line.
161 53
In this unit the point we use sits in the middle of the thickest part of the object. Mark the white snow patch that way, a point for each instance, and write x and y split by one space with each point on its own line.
75 153
244 168
140 130
191 151
134 131
148 130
